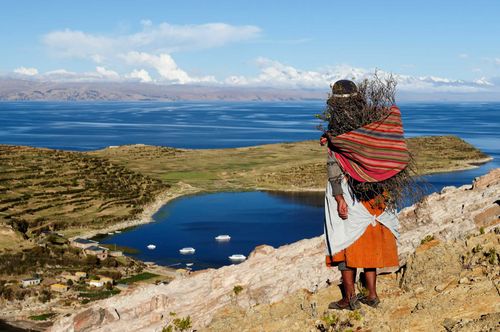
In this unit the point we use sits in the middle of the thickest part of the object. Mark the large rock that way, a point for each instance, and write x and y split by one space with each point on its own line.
453 213
269 275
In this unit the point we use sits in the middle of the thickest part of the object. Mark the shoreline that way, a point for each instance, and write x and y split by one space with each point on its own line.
145 217
164 198
468 165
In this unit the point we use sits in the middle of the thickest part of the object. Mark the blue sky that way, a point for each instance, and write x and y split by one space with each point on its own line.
430 44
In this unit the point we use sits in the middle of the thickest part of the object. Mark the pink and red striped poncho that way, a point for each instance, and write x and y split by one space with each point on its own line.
374 152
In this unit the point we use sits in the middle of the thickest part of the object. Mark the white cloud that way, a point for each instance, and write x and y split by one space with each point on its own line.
26 71
165 66
271 74
100 74
78 44
107 74
140 75
277 74
161 38
463 56
274 73
483 81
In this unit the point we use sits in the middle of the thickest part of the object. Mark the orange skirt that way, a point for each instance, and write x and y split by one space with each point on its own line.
376 248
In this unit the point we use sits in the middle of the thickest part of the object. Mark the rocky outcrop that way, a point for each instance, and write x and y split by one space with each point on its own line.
267 276
270 275
453 213
462 295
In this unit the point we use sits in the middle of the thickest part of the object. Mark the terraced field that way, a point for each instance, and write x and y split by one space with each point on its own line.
42 189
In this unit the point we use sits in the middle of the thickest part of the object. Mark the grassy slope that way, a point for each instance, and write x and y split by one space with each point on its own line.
288 166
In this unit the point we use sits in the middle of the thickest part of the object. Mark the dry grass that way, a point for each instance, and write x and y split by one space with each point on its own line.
288 166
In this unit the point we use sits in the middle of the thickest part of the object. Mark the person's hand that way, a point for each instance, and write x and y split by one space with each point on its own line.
325 138
341 206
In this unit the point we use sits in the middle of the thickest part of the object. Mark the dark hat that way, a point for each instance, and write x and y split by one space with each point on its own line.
344 88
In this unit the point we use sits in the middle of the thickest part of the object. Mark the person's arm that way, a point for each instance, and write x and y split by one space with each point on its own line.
335 178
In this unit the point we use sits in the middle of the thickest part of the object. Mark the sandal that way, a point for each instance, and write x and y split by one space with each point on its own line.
352 305
369 302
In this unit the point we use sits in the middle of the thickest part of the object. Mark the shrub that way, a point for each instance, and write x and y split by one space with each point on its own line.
237 289
178 324
426 239
45 296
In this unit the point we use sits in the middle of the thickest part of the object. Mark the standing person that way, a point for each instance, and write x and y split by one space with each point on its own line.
367 161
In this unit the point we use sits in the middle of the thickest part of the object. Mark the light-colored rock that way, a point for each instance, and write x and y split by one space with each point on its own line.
450 214
270 275
456 307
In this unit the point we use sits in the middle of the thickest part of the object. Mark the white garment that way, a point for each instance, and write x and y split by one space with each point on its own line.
339 233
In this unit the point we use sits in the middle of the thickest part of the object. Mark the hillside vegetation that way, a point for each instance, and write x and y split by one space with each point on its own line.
42 189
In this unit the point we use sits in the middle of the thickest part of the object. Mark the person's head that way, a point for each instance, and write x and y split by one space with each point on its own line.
344 89
345 105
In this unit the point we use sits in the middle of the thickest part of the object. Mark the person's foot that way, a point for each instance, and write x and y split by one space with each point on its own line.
372 302
345 304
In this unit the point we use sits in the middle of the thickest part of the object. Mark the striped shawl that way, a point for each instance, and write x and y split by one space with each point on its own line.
374 152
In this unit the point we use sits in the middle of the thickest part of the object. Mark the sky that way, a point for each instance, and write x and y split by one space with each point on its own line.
429 45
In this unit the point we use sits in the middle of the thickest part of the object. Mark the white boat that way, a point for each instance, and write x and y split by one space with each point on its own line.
187 251
237 258
110 233
189 264
151 246
222 238
118 232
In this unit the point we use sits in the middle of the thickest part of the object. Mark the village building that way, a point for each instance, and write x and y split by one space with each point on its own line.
106 280
46 233
122 287
115 253
100 252
81 274
30 282
96 283
69 276
83 243
59 288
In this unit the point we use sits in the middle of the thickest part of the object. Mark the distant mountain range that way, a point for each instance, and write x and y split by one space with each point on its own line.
18 90
13 89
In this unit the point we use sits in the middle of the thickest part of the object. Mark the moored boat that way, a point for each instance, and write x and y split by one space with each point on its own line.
222 238
237 258
187 251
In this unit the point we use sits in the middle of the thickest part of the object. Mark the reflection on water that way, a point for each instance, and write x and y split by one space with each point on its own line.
310 198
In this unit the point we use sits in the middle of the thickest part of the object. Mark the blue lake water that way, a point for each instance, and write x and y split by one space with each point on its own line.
251 218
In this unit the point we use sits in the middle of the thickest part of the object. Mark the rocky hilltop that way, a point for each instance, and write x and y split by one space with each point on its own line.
449 279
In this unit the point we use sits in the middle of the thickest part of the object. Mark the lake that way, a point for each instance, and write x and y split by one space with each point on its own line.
251 218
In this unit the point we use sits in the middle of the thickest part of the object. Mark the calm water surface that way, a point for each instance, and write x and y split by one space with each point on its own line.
251 218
